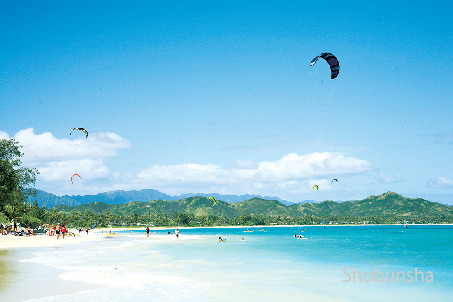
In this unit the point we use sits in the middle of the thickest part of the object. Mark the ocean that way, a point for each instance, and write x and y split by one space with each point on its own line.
333 263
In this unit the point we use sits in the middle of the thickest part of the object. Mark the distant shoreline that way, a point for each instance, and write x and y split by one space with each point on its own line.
257 226
98 234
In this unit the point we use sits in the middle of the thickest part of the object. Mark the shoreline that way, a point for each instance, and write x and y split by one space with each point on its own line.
257 226
12 242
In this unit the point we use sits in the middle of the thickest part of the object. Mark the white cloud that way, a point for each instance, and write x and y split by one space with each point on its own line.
388 179
316 164
443 182
292 172
58 170
57 159
44 147
4 135
292 175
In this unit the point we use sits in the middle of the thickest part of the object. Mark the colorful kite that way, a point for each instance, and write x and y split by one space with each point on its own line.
333 62
213 199
81 129
75 175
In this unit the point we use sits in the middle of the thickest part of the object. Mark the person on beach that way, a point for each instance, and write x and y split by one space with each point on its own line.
221 240
177 233
147 231
57 231
63 230
87 230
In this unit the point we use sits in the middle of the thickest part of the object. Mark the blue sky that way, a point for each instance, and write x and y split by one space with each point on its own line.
219 96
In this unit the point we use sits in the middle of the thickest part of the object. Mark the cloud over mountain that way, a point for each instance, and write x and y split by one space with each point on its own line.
289 172
58 158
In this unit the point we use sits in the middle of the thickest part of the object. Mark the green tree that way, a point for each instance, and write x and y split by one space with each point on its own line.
30 221
16 182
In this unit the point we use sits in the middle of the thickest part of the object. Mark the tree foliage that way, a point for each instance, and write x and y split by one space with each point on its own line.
16 182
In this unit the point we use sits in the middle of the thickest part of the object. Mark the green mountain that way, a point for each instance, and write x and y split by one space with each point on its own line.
196 205
261 206
388 204
121 197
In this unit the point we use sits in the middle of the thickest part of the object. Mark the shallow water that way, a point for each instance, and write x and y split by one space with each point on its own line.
269 265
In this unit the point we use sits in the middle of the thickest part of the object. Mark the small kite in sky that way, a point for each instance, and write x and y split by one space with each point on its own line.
315 187
81 129
73 176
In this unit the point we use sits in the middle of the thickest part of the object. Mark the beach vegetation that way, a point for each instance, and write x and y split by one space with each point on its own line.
199 211
3 218
16 182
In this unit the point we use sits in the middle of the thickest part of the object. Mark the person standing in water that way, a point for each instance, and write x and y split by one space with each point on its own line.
147 231
177 233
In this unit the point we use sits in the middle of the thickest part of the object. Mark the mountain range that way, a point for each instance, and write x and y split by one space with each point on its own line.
121 197
388 204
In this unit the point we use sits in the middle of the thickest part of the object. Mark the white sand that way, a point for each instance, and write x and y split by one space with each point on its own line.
11 241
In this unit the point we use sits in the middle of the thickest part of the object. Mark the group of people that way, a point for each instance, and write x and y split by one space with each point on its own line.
169 232
86 230
57 230
14 230
224 239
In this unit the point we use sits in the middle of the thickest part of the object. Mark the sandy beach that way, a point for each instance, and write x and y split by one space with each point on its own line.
11 241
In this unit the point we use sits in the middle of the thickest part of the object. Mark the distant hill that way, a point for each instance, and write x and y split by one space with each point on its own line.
51 200
388 204
232 198
121 197
197 205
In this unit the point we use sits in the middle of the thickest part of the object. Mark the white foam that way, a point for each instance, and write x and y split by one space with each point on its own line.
120 277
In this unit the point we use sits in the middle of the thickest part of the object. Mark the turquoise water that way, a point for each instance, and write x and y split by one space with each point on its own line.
269 265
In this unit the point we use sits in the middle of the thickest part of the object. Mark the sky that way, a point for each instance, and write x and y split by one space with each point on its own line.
220 97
